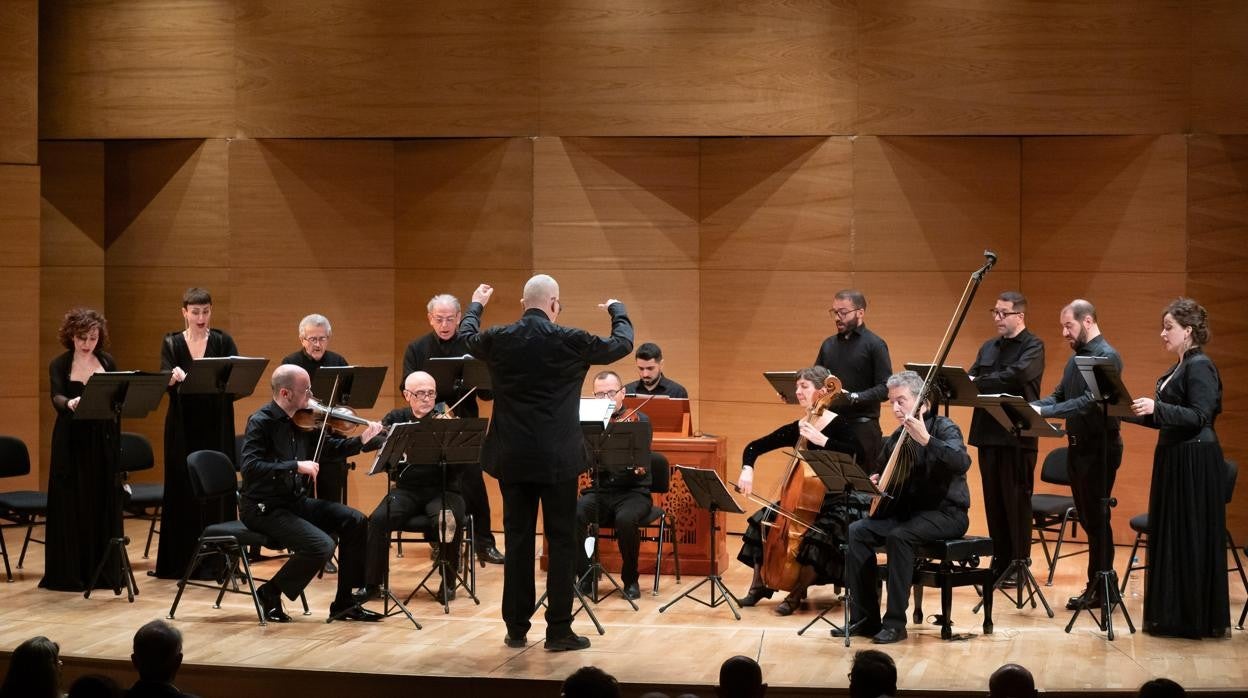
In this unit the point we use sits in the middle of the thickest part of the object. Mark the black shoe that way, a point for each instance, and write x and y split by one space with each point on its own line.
632 591
1088 599
350 611
755 595
491 555
271 602
567 643
450 596
366 594
788 606
862 630
518 643
888 636
586 585
330 567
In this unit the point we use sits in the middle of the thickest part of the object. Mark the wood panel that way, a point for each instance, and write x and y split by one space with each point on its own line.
615 203
988 67
775 203
19 325
923 204
19 90
319 204
1104 203
469 201
72 213
362 68
116 69
1219 61
1217 204
167 203
144 303
21 419
659 67
19 215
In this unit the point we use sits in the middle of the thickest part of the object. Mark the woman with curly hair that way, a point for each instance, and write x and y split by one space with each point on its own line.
84 502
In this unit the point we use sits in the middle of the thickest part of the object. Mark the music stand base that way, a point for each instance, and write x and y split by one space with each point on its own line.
1022 591
719 595
456 581
576 589
117 547
1107 582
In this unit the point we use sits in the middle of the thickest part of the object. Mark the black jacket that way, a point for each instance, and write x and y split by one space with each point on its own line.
938 476
1189 404
1012 365
537 369
272 447
1072 399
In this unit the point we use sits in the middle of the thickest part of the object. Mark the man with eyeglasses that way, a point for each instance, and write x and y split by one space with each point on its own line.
1013 363
444 314
314 334
859 357
418 488
620 500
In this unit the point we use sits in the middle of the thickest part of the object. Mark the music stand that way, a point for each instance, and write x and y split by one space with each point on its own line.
952 384
1105 383
226 375
838 472
709 492
1021 420
357 388
784 383
110 397
459 372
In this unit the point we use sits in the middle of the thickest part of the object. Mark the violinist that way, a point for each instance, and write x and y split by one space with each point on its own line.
277 457
620 500
930 505
819 554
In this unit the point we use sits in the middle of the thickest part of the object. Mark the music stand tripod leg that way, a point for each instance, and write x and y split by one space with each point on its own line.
724 596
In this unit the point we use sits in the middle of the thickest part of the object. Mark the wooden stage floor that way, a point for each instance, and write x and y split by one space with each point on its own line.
682 647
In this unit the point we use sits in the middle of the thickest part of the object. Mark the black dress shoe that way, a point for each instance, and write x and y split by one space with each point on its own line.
271 604
888 636
586 586
860 630
788 606
518 643
755 595
450 594
567 643
632 591
330 567
1084 600
367 593
351 611
491 555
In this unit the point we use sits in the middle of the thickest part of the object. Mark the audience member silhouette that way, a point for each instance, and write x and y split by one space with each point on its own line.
873 674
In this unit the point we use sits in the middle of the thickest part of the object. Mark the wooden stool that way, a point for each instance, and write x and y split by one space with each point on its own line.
952 563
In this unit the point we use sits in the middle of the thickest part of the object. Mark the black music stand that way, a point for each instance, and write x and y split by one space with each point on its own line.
838 472
709 493
226 375
1021 420
447 442
952 386
460 372
784 383
110 397
357 388
1105 383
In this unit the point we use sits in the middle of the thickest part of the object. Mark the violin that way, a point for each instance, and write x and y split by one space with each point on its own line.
341 420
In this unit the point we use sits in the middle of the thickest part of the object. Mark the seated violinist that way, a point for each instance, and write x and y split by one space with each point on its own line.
620 500
277 473
929 504
819 554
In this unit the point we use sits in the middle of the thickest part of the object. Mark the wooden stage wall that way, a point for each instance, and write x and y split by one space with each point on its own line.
721 168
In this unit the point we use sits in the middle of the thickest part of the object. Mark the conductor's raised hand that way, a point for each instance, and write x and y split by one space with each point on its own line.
607 305
482 294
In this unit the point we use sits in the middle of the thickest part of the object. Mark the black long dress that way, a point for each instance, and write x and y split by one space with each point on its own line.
84 499
1185 586
193 423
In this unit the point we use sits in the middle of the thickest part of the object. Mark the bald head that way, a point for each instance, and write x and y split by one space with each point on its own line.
291 387
421 392
539 291
286 377
1011 681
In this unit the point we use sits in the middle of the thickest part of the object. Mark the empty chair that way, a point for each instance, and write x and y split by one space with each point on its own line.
21 508
143 500
1051 513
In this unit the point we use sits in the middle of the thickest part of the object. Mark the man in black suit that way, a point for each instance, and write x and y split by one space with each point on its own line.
535 446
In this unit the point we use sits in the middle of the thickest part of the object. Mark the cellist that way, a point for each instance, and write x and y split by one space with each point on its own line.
819 553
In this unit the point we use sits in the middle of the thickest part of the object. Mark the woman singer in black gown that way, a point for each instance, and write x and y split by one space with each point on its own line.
193 423
84 499
819 555
1185 587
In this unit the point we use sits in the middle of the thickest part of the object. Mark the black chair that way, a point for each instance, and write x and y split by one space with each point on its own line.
213 480
143 499
1139 524
660 483
945 564
23 508
1051 513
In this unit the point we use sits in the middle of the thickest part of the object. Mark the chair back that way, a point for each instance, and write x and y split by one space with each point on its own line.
14 457
660 474
1054 470
1232 474
238 451
212 475
136 452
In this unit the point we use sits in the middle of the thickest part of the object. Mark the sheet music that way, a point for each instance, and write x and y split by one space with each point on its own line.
597 410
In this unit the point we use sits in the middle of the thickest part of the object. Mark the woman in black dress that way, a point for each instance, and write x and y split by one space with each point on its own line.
819 553
84 500
193 423
1185 587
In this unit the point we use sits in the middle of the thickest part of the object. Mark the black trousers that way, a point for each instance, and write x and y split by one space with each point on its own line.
520 504
1008 476
477 503
623 511
394 510
306 527
871 441
1092 475
899 539
331 481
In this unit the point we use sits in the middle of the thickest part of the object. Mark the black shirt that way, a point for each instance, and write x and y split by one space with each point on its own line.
1072 400
272 447
840 433
309 364
860 359
665 386
938 476
1012 365
416 358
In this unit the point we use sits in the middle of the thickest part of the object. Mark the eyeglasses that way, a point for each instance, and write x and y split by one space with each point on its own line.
842 313
999 313
442 319
608 394
422 394
316 340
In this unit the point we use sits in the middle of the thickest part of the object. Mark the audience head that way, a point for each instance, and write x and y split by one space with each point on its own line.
590 682
157 652
34 670
740 677
1162 688
94 686
872 674
1011 681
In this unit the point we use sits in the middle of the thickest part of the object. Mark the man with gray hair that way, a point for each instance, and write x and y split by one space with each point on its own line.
443 312
157 657
535 446
928 504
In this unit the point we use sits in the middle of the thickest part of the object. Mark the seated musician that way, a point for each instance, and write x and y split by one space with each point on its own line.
620 500
819 554
929 505
418 488
276 453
